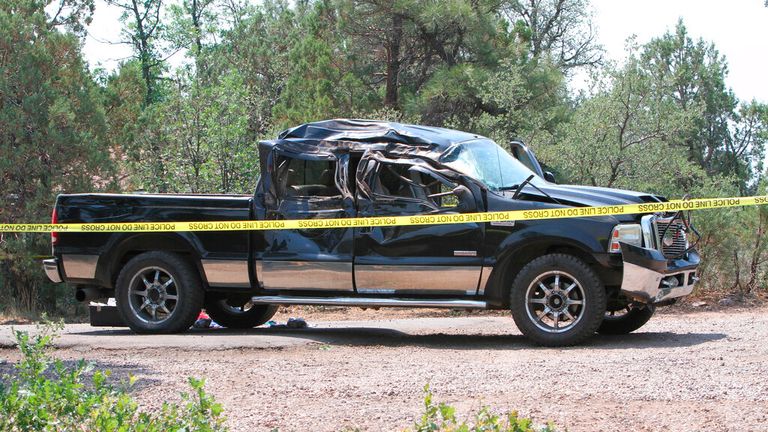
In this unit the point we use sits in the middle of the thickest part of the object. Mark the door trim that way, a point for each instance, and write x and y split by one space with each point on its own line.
306 275
392 279
226 273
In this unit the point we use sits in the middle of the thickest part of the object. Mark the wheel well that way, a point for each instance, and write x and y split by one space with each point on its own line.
512 262
139 244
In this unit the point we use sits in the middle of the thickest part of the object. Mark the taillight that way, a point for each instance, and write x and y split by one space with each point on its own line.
54 234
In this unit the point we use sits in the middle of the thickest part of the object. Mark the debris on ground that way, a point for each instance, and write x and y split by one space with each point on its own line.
204 321
297 323
726 302
292 323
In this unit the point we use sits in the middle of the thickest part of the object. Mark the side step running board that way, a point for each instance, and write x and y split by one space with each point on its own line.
370 302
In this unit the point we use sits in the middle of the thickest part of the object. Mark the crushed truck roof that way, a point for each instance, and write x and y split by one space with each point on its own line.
363 134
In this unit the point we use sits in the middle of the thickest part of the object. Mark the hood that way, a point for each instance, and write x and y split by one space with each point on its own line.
587 196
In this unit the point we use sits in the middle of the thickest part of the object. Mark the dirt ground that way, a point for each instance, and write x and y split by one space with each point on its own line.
366 369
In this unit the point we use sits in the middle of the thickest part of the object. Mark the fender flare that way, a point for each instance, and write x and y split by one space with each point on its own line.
511 259
122 248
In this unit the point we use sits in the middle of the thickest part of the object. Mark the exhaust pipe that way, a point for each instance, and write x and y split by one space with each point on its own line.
89 294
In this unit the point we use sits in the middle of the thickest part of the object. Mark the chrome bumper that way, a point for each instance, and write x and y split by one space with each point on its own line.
649 277
51 267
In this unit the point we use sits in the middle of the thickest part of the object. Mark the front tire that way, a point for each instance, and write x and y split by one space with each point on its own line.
159 292
238 313
557 300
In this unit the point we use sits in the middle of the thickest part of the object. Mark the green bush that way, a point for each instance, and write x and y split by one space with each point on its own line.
442 417
45 395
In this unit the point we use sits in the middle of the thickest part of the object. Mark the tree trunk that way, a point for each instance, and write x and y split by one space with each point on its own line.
393 61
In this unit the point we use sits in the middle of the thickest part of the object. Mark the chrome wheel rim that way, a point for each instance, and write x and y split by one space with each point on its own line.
153 295
555 301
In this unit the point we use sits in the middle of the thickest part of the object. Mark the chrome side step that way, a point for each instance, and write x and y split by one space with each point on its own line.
370 302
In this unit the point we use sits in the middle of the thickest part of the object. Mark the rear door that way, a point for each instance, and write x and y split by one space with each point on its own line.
307 186
419 259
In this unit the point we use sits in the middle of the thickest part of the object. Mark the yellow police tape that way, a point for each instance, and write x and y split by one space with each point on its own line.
359 222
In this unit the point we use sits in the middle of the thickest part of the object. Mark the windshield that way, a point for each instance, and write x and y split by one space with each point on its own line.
486 161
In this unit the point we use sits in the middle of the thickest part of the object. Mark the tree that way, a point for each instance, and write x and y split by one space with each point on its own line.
559 29
204 137
398 47
142 20
619 138
745 147
692 75
71 15
378 30
191 22
319 84
52 136
522 100
258 46
122 94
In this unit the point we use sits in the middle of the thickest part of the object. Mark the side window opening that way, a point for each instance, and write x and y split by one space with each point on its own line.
397 181
354 164
306 178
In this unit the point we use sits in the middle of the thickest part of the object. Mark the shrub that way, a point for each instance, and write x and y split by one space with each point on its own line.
442 417
46 395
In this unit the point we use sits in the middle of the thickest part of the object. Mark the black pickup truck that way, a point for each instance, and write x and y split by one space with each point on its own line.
563 280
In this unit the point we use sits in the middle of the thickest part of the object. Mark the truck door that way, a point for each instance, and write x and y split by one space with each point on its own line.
307 186
418 259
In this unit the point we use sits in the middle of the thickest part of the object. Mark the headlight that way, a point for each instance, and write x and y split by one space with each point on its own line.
627 233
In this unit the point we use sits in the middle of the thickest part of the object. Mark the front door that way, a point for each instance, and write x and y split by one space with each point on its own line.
307 186
419 259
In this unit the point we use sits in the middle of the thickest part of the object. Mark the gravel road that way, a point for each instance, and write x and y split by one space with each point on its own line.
682 372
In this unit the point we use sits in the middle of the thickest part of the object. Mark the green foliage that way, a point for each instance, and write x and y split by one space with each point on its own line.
663 121
442 417
52 133
44 394
144 30
202 135
620 136
318 85
522 99
691 74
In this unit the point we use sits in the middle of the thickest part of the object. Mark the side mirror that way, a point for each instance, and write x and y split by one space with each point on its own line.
548 176
467 202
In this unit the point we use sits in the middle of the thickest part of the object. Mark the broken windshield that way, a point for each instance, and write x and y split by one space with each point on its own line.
486 161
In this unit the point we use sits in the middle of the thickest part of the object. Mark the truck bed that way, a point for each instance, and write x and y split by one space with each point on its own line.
94 256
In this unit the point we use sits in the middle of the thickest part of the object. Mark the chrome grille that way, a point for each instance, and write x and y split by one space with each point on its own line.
676 243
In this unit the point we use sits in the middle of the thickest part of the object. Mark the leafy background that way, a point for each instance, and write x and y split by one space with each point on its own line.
663 121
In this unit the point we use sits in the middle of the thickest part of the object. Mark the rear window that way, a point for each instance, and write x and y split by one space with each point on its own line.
307 178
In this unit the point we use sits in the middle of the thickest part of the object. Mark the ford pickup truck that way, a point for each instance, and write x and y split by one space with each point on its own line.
563 280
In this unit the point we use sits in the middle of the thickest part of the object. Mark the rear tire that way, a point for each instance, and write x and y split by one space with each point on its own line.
159 292
557 300
625 319
238 313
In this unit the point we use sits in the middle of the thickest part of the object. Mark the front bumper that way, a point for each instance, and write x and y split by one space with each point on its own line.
649 277
51 267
